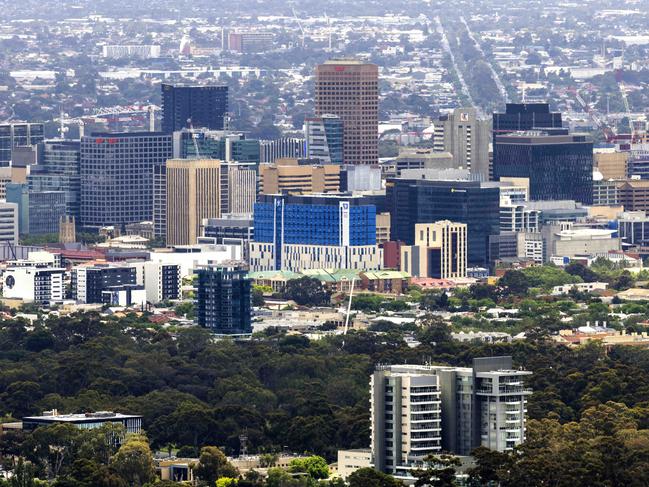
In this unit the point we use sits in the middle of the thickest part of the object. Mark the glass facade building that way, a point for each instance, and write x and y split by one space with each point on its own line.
59 171
117 176
559 167
324 138
412 201
223 299
205 106
39 212
14 135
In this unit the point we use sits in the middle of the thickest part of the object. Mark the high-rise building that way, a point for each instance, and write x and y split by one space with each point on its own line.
419 410
14 135
8 223
272 150
223 298
350 90
117 176
215 144
559 167
314 232
290 176
193 193
162 281
59 171
476 204
467 138
324 138
241 189
39 212
439 251
200 106
525 116
611 164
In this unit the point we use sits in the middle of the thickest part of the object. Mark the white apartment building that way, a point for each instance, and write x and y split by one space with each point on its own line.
418 410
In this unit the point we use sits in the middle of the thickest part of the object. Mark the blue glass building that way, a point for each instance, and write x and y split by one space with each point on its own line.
314 220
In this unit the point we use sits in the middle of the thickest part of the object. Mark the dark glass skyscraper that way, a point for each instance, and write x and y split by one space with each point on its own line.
205 106
117 176
413 201
559 167
525 116
223 298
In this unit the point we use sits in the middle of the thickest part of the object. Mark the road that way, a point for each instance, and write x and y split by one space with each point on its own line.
494 74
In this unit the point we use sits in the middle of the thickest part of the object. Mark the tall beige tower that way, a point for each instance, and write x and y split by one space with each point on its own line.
67 231
439 251
193 193
350 89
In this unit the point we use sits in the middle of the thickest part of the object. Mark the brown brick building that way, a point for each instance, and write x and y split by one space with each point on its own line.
350 89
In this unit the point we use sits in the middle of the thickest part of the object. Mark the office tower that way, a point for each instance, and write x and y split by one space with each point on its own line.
193 193
515 215
117 176
242 189
314 232
605 192
467 138
162 281
39 212
59 171
214 144
439 251
14 135
559 167
324 138
223 298
419 410
250 42
476 204
350 90
8 223
290 176
91 280
67 230
361 179
292 147
33 282
204 106
611 164
634 194
423 159
525 116
11 175
382 228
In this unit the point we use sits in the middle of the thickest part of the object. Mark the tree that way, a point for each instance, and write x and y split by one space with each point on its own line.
440 472
226 482
24 475
489 465
212 465
364 477
133 462
306 291
513 283
315 466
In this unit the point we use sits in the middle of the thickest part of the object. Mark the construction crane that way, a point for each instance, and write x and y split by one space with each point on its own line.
299 25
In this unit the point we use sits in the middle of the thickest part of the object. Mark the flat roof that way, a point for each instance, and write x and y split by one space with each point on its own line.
81 417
